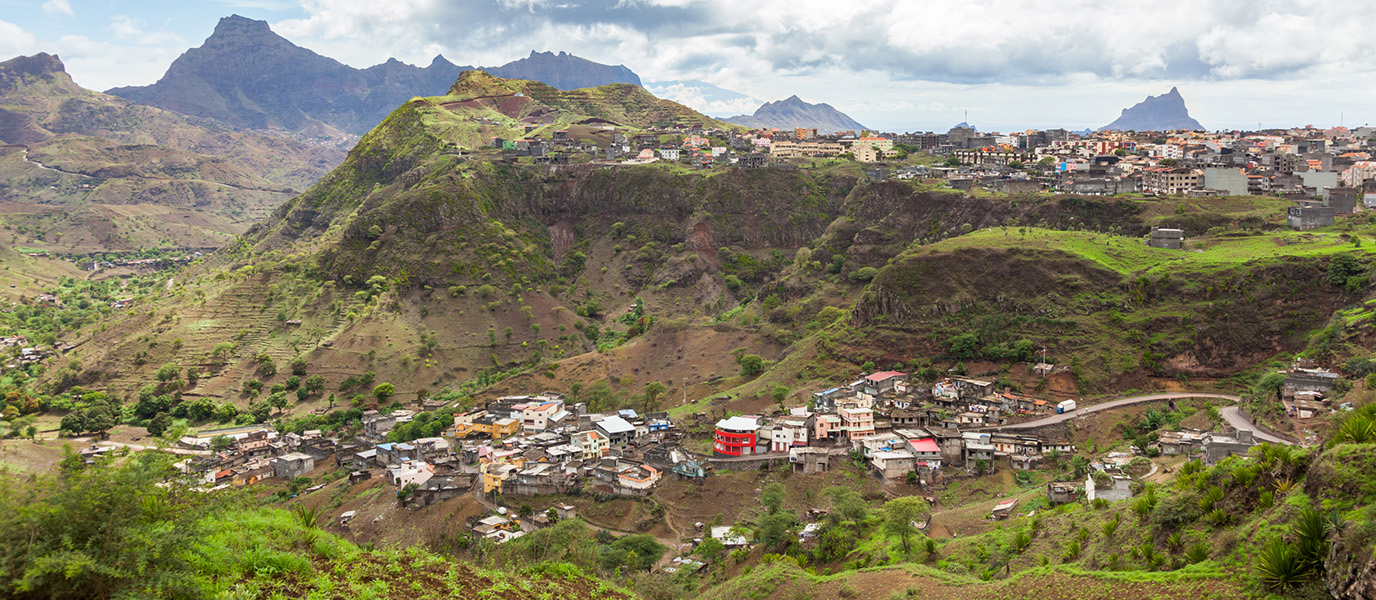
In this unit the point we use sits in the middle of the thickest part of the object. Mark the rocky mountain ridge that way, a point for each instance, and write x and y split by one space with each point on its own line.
793 112
1166 112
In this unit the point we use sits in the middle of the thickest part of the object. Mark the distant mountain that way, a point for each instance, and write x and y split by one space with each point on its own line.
1166 112
793 112
563 71
248 76
109 174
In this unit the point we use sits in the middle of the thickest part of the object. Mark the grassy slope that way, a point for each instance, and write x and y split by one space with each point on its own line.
267 552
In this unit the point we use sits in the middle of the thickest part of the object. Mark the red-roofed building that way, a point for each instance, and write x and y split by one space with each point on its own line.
927 452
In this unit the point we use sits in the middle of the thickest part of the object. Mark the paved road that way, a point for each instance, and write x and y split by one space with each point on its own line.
1234 417
1229 413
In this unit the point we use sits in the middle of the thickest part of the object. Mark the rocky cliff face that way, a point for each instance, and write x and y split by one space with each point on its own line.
1350 574
1166 112
564 71
246 75
793 112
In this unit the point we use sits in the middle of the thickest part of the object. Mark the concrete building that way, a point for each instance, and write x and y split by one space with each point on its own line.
1231 182
295 464
1218 446
1112 486
1170 239
736 436
1308 216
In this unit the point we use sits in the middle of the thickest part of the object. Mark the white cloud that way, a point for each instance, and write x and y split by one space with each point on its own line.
125 26
56 7
14 40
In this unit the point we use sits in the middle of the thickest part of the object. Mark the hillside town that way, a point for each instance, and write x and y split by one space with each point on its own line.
898 429
1326 172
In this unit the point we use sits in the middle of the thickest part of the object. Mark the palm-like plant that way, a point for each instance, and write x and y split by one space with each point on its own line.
1280 565
1197 552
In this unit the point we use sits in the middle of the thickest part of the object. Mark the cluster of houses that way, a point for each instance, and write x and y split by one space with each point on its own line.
521 445
897 426
1327 172
1305 393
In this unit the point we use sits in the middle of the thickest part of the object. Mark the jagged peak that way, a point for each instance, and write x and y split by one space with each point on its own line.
240 24
38 64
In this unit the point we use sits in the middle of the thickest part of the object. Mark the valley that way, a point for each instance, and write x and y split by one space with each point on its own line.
529 342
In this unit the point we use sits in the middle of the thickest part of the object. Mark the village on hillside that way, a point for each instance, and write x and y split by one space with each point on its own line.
900 430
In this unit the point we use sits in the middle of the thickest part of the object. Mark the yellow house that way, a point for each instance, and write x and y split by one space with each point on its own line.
481 423
494 474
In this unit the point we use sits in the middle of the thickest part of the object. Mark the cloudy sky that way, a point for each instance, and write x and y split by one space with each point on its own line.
896 65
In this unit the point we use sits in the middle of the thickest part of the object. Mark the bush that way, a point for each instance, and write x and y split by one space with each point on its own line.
751 365
862 275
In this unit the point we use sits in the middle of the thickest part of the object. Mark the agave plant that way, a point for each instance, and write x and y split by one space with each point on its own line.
1357 429
1197 552
1021 541
1072 551
1284 485
1244 476
1175 540
1266 500
1109 527
1281 566
1311 536
307 517
1219 517
1209 498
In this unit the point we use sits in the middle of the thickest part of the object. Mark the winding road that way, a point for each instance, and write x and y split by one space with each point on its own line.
1230 414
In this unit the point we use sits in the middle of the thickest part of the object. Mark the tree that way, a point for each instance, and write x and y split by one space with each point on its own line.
384 391
278 401
751 364
193 375
599 393
710 549
220 443
773 497
298 366
780 394
314 384
168 372
775 529
847 503
900 513
653 391
159 424
1271 384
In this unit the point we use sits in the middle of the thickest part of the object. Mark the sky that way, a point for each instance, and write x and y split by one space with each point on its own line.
895 65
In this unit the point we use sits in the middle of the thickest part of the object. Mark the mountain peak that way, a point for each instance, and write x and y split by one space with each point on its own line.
38 64
1166 112
237 25
793 112
14 70
564 71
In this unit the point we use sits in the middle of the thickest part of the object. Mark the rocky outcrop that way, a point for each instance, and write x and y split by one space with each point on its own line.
1349 574
1166 112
